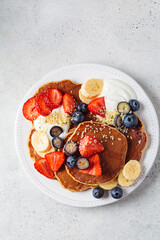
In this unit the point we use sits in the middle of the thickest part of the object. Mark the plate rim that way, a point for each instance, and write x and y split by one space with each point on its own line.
34 180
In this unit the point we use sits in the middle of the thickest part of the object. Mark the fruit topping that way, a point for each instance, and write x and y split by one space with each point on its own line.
71 161
56 131
92 87
70 148
134 105
55 160
69 104
82 107
57 142
116 192
95 166
89 145
130 120
43 104
123 107
109 185
132 170
29 110
82 163
42 166
85 99
118 121
97 106
77 117
98 192
55 97
122 181
40 141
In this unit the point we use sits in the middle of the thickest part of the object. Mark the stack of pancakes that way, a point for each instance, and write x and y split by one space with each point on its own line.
118 147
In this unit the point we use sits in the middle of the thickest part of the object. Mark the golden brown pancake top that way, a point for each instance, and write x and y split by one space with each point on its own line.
112 158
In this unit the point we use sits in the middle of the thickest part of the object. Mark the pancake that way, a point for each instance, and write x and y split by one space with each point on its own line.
65 86
68 182
112 158
137 141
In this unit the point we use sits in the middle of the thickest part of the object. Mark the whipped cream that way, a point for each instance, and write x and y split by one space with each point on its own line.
56 118
116 91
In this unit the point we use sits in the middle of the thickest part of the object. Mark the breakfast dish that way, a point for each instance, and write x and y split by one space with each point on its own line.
148 123
86 135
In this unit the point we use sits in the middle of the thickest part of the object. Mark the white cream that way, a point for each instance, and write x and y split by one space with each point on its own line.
116 91
56 118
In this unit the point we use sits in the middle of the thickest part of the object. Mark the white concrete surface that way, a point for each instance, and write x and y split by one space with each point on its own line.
41 35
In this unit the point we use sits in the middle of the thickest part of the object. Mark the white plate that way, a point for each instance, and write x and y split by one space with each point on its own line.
79 73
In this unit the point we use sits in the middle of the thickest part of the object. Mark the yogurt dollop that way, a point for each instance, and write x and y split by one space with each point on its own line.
116 91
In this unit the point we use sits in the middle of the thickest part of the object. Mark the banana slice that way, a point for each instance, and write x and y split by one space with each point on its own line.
85 99
122 181
92 87
42 154
109 185
40 141
132 170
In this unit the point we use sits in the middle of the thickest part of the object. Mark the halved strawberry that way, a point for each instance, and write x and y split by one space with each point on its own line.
42 166
29 109
55 97
55 160
69 104
97 106
95 166
89 145
43 105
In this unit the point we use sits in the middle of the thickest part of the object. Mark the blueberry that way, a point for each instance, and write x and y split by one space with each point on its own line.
123 107
71 161
98 192
82 107
56 131
57 142
118 121
134 105
116 192
77 117
82 163
130 120
70 148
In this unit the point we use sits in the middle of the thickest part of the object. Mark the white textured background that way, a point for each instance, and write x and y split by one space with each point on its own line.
37 36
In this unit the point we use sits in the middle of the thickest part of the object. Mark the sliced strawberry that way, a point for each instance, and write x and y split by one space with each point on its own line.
95 166
97 106
43 105
29 109
89 145
69 104
55 97
42 166
55 160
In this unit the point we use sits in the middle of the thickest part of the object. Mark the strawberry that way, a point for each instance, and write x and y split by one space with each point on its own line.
95 166
29 109
55 160
97 106
55 97
42 166
69 104
89 145
43 105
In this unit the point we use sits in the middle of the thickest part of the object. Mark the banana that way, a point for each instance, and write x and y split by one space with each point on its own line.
85 99
40 141
109 185
122 181
132 170
42 154
92 87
